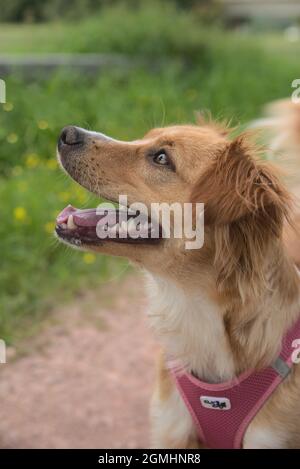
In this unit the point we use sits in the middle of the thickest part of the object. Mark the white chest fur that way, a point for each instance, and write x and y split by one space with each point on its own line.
191 329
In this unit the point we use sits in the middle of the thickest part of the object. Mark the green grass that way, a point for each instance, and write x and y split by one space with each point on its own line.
27 38
36 273
187 68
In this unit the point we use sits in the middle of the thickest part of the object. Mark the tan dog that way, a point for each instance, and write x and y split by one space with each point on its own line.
221 309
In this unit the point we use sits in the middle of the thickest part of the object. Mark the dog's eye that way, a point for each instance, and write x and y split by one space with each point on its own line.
161 158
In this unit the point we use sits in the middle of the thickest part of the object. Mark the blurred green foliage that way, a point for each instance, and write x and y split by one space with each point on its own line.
36 10
154 30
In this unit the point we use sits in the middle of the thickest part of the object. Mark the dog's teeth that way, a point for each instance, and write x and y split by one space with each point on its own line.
71 225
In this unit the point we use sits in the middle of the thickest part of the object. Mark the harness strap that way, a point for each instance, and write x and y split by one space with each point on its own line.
222 412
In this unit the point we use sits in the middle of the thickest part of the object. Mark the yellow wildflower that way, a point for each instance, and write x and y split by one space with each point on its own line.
49 227
8 107
43 125
51 164
89 258
20 214
81 197
32 160
12 138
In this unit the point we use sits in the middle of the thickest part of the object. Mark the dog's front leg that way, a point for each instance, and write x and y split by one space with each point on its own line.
172 424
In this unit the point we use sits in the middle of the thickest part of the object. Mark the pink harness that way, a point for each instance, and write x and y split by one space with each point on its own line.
222 412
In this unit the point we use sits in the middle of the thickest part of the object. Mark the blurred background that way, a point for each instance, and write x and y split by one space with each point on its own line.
120 68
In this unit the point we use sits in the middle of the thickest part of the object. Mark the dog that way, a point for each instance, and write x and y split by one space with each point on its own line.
220 310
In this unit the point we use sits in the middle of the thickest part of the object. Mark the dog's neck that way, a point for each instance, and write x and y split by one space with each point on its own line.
216 339
190 329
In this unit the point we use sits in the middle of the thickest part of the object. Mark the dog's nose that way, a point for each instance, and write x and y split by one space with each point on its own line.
71 135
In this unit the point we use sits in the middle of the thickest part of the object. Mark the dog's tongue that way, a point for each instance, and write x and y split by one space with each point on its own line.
88 217
64 215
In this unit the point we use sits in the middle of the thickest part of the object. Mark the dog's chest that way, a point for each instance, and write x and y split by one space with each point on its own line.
191 329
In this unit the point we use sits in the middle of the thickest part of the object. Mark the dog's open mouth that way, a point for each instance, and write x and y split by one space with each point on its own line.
93 226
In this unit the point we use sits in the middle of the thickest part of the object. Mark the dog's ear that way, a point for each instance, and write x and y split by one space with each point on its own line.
236 184
245 205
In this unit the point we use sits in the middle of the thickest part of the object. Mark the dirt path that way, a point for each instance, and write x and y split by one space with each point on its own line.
86 379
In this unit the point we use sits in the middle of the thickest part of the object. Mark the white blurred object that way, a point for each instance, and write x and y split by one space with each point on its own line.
2 351
292 33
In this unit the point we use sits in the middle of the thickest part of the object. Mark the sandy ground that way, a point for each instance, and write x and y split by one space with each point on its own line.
85 380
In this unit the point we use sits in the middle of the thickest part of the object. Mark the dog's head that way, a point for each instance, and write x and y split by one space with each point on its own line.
245 204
